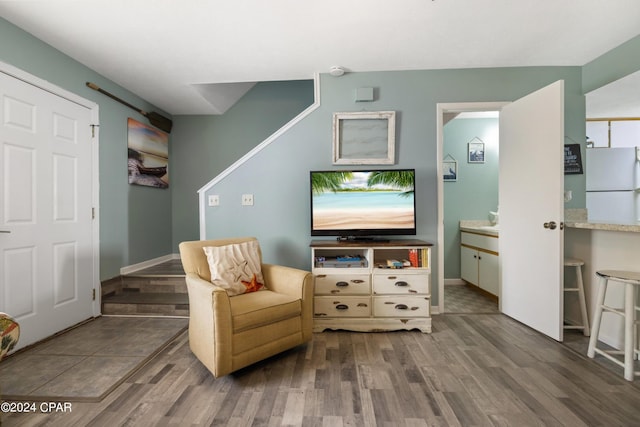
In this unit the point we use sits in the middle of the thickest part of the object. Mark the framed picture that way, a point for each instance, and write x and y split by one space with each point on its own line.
148 155
450 169
572 159
476 152
364 138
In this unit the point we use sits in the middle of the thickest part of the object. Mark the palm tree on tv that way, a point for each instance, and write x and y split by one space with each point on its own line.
402 180
328 181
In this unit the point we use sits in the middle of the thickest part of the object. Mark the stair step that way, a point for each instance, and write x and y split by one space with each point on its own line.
132 303
158 290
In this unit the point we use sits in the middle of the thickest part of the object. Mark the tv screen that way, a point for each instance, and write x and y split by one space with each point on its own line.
363 203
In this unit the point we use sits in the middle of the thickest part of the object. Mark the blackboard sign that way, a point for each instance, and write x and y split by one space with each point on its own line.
572 159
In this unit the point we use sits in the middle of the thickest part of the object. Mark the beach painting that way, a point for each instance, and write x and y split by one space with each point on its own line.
363 200
148 155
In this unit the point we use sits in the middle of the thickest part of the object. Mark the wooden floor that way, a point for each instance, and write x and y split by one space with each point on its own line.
473 370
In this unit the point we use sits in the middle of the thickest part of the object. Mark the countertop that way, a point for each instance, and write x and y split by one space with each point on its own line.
480 227
578 218
494 230
601 225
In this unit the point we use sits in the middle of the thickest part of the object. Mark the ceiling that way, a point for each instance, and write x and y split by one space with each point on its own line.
200 56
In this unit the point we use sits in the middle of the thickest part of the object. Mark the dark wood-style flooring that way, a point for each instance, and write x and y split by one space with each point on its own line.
473 370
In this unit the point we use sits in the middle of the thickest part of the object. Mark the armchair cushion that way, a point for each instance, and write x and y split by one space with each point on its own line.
236 267
262 308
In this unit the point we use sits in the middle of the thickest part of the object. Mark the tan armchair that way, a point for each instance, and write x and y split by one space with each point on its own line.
227 333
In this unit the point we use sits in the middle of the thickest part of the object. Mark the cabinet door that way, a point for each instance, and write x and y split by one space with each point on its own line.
469 264
488 274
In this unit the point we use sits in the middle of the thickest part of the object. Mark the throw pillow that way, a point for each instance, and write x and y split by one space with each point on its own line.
236 267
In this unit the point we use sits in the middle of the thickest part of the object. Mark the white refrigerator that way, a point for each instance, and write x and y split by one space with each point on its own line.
613 184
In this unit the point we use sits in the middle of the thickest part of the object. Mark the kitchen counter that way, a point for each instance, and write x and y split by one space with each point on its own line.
601 225
577 218
602 246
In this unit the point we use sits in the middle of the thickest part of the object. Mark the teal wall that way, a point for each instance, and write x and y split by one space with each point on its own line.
278 175
206 145
612 66
475 193
138 224
135 222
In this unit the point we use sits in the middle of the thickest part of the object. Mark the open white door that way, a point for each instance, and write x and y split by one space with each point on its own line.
532 209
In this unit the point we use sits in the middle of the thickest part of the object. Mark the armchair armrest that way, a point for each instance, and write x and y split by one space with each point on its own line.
209 320
295 282
287 280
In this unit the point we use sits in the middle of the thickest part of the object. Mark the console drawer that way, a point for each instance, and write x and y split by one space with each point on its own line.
334 284
401 306
401 283
342 306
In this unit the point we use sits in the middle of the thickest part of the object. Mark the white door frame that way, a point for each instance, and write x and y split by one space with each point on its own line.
441 109
95 195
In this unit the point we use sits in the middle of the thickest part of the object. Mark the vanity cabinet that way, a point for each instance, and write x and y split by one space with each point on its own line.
479 261
358 287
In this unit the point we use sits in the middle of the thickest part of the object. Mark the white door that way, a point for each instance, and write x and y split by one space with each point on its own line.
46 244
532 209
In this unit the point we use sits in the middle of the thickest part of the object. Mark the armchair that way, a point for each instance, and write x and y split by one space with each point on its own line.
227 333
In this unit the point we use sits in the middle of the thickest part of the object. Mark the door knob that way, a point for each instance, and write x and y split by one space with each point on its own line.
550 225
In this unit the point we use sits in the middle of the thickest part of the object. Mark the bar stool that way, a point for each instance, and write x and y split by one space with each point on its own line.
631 281
579 288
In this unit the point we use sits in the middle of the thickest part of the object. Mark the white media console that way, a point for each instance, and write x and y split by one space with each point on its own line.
372 285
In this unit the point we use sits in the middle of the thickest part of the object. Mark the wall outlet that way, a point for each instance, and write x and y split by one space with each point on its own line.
247 200
214 200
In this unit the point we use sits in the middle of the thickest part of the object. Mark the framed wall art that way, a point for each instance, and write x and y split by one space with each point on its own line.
476 151
449 169
148 155
364 138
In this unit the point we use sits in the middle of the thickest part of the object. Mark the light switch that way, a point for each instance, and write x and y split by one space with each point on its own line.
247 200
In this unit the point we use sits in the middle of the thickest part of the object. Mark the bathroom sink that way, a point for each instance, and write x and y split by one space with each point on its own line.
490 227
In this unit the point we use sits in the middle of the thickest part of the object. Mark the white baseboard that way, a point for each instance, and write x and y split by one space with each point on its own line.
146 264
454 282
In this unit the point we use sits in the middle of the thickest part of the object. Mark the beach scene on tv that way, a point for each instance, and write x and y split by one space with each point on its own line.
362 200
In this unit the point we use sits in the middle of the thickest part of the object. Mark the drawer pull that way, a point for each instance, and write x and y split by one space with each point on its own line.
401 307
357 281
392 277
342 307
320 276
401 283
341 284
361 304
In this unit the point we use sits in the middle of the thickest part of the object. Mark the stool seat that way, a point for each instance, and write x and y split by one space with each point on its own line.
573 262
631 282
579 288
632 277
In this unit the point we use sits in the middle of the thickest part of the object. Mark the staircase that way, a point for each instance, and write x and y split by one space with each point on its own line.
155 291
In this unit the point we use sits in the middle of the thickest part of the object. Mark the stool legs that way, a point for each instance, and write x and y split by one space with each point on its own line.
583 304
630 352
581 298
629 335
602 289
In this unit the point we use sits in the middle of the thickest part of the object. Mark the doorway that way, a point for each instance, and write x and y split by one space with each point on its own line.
530 267
467 199
49 190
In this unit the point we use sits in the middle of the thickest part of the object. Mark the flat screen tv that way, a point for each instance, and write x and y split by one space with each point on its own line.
363 204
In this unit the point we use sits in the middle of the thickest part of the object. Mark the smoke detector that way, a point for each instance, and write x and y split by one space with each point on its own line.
336 71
